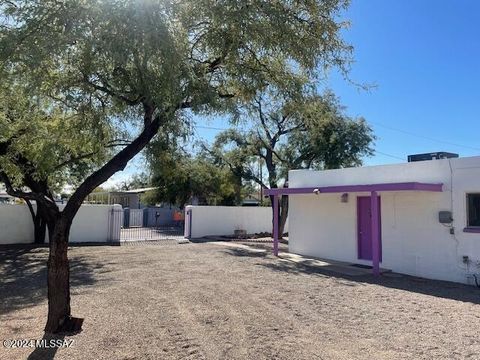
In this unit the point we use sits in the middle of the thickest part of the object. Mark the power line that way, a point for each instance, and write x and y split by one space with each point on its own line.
222 129
389 155
209 128
424 137
386 127
376 151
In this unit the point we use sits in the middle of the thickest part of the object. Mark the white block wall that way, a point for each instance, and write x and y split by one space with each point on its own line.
224 220
91 224
16 225
413 241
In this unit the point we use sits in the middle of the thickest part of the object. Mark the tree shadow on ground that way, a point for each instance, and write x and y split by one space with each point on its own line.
23 275
245 253
46 352
442 289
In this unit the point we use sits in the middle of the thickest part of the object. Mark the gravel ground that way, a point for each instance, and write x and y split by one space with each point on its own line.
210 301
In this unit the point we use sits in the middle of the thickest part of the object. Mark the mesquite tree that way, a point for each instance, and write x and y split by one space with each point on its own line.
137 67
305 132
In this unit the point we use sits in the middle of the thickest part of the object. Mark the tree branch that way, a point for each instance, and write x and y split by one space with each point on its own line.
262 119
108 90
87 155
18 193
117 162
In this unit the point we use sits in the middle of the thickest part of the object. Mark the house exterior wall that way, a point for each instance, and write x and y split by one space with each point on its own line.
131 201
413 240
91 224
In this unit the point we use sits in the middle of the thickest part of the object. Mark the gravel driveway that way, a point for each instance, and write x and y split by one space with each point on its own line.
209 301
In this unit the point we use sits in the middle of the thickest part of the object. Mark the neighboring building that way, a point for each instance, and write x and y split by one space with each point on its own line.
418 218
126 198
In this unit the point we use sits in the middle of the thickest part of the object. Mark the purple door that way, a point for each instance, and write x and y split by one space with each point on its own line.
364 227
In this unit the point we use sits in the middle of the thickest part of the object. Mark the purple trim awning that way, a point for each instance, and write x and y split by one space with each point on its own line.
406 186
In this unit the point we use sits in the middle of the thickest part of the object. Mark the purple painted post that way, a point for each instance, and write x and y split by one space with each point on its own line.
375 234
275 225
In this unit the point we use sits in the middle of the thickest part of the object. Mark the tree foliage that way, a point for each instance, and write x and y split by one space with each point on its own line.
46 142
136 181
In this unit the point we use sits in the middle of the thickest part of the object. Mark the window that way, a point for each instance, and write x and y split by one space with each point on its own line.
473 210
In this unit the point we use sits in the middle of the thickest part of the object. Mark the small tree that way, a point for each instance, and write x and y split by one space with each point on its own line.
136 181
302 133
136 66
28 160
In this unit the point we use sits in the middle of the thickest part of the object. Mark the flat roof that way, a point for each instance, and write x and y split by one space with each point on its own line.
133 191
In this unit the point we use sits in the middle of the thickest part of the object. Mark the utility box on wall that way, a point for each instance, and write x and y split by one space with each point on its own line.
445 217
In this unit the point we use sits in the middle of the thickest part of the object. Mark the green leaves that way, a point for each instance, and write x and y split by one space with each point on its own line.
171 53
47 142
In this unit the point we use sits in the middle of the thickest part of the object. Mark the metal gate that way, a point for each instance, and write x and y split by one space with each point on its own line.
136 217
148 224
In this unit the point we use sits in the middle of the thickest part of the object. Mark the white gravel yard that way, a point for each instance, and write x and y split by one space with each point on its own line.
212 301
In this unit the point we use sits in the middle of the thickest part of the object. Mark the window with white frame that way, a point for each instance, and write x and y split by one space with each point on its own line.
473 210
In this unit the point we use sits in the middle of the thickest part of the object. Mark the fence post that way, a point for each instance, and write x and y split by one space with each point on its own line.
115 224
187 233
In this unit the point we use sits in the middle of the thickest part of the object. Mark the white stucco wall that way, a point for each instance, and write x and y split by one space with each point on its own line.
91 224
16 226
413 241
224 220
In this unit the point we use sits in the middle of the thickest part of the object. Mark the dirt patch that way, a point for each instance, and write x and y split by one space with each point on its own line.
207 301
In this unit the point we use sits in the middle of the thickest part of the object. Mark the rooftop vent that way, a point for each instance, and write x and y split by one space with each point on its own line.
431 156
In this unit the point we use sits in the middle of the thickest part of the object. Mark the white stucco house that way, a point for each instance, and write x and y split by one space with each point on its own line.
418 218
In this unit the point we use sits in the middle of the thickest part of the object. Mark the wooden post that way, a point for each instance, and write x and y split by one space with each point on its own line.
275 225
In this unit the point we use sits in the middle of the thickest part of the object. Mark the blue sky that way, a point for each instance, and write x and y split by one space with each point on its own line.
424 58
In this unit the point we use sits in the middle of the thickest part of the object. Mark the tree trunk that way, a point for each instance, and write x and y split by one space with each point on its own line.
51 230
39 223
58 278
238 191
40 229
283 214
